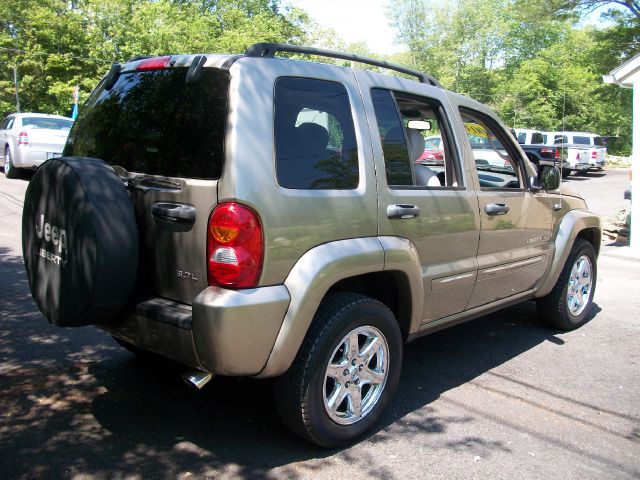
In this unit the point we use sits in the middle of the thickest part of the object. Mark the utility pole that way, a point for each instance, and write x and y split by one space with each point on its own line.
15 81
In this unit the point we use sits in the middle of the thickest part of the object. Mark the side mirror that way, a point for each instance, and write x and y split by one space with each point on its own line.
548 178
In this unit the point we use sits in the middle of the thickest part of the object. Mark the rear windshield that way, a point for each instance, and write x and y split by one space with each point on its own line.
152 122
50 123
537 138
582 140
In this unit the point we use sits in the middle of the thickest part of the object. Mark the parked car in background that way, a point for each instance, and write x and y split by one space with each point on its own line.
433 152
540 148
526 136
28 139
595 144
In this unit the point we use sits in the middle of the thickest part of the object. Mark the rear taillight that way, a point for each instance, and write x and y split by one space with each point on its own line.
23 138
556 154
594 154
157 63
578 156
235 247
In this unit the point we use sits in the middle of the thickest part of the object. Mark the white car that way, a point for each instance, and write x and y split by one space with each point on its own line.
593 142
29 139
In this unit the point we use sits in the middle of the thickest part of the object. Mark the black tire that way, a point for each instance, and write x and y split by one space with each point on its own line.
566 173
554 308
300 393
10 171
79 241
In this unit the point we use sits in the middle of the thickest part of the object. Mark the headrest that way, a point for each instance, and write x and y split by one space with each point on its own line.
315 137
416 143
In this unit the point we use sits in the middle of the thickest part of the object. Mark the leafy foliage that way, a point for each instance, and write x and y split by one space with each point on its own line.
58 44
528 60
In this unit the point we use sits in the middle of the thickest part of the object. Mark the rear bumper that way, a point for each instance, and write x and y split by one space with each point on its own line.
578 167
226 332
29 157
597 165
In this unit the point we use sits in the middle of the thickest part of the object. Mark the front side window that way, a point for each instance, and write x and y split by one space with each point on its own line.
496 164
315 140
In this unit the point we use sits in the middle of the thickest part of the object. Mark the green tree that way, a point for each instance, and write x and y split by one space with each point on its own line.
58 44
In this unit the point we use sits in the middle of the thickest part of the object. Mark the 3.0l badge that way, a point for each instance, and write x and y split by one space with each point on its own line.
187 275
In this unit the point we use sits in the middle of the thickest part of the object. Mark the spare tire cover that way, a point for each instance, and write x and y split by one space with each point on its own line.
79 241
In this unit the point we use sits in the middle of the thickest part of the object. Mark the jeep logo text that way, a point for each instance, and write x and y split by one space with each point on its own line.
52 233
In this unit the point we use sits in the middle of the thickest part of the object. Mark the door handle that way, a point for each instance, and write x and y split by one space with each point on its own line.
174 212
402 211
496 208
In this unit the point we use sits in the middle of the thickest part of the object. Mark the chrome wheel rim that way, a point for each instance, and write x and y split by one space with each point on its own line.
580 285
7 161
356 375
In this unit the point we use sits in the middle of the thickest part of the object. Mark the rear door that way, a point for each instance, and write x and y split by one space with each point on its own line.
431 206
165 139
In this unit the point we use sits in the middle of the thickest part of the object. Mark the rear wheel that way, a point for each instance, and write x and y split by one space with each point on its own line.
9 170
568 305
345 373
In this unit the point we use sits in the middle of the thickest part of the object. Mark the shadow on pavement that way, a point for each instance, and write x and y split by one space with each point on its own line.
73 402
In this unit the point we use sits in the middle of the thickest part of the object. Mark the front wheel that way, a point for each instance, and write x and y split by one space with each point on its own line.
568 305
345 373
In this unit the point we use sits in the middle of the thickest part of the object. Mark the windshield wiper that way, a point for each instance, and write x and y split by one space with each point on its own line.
145 182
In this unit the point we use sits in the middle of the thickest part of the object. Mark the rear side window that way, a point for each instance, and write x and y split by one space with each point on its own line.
315 138
599 141
522 138
152 122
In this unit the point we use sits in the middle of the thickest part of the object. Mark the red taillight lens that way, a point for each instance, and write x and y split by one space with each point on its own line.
157 63
23 138
594 154
234 246
556 154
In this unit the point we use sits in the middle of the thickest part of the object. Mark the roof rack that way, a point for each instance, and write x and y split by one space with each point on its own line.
269 50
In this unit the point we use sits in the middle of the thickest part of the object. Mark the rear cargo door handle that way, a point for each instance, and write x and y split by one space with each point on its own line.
402 211
174 212
496 208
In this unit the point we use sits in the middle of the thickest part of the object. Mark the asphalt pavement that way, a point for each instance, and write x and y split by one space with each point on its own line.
498 397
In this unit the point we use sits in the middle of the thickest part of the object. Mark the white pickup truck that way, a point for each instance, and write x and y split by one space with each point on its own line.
575 158
594 144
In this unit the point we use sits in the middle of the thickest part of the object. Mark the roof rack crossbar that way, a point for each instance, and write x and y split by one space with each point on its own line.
269 50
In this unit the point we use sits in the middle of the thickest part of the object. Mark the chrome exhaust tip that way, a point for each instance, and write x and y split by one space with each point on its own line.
197 378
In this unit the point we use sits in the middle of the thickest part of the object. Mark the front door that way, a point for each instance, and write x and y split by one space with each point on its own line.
515 222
